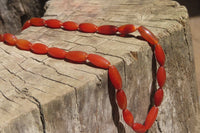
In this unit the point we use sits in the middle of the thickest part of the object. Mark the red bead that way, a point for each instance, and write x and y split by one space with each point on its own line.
88 27
148 35
53 23
70 25
128 117
39 48
107 29
26 25
158 97
115 77
1 38
9 39
98 61
151 117
139 128
23 44
160 55
56 53
76 56
126 29
121 99
161 76
37 21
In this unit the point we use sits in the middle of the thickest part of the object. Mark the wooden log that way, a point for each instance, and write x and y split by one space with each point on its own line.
42 94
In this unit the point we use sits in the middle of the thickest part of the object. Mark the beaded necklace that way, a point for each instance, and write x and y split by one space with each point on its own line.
99 61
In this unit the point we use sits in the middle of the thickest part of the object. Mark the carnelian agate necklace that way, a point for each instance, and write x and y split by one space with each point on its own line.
99 61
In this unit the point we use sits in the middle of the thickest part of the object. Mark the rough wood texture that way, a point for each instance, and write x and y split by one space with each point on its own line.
13 13
42 94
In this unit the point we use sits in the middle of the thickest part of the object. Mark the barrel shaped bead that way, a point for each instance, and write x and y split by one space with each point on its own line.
158 97
26 25
56 53
115 77
39 48
139 128
1 38
126 29
107 29
9 39
70 25
23 44
87 27
121 99
128 117
98 61
151 117
148 35
161 76
53 23
160 55
76 56
37 21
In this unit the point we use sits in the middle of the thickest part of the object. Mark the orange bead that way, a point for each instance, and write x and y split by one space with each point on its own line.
121 99
39 48
98 61
160 55
70 25
37 21
23 44
126 29
56 53
76 56
107 29
128 117
9 39
161 76
87 27
151 117
139 128
158 97
1 38
115 77
148 35
53 23
26 25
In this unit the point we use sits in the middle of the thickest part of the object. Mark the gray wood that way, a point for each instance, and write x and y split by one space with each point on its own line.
42 94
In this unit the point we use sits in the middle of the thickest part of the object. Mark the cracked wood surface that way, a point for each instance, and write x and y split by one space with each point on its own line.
42 94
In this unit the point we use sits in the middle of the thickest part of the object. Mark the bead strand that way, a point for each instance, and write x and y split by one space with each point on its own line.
99 61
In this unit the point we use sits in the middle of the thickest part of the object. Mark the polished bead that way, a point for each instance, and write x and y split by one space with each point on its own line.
151 117
115 77
139 128
37 21
126 29
1 38
53 23
56 53
161 76
26 25
107 29
70 25
98 61
148 35
23 44
121 99
158 97
9 39
39 48
160 55
87 27
128 117
76 56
